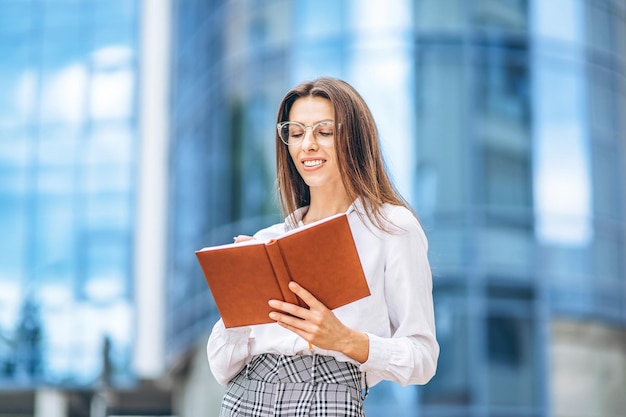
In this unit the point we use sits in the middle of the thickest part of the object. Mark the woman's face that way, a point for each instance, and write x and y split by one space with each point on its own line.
315 157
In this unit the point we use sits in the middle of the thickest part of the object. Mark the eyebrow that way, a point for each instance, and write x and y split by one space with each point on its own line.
320 121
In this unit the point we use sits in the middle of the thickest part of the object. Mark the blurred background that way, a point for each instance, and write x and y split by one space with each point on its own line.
133 133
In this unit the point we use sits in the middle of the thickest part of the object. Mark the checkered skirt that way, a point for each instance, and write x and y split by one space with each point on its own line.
294 386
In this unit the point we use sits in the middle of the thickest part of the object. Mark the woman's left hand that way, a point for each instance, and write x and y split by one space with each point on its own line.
319 326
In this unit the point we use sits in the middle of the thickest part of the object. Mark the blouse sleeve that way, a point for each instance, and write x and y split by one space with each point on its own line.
228 351
410 355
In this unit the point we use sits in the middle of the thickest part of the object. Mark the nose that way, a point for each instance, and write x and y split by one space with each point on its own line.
309 141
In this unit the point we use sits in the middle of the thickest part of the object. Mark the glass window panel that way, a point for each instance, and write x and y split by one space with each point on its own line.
53 181
109 144
15 153
13 218
98 179
502 14
441 129
567 267
620 29
256 171
275 29
561 154
568 13
111 94
16 16
308 63
600 26
108 262
508 247
602 100
390 399
57 147
67 85
53 251
111 10
17 81
106 35
317 19
511 347
63 13
507 179
110 211
606 182
380 17
608 278
451 384
64 76
440 14
502 98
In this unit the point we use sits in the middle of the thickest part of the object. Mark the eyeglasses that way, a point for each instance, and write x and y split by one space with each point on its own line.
292 133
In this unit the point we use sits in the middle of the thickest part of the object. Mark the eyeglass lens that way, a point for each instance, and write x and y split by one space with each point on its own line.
292 133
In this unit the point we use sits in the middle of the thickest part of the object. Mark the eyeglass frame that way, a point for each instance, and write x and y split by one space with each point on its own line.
280 125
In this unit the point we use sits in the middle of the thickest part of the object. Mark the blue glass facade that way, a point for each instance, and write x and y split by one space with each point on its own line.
501 123
67 185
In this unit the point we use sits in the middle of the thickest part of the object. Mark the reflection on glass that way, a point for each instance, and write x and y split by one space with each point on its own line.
440 109
561 155
568 14
501 14
66 187
512 377
451 384
440 15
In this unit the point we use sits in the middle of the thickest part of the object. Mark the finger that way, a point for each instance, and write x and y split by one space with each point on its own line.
289 308
306 296
242 238
295 324
302 333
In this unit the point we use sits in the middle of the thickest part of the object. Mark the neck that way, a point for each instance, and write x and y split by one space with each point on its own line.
325 205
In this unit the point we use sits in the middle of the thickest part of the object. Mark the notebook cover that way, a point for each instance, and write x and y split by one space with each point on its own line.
321 257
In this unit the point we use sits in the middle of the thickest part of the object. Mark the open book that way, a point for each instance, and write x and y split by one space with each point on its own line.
320 256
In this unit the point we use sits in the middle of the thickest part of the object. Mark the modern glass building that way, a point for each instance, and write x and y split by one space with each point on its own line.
68 140
502 122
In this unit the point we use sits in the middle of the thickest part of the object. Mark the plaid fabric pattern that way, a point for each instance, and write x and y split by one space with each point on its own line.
294 386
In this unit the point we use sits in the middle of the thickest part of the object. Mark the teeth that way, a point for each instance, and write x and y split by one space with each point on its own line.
313 163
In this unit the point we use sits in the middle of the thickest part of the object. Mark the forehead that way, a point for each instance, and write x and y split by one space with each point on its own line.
311 109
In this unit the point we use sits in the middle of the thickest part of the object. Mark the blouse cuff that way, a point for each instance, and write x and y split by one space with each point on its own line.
233 335
379 354
238 336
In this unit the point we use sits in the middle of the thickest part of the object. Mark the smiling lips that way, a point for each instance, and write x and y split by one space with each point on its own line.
313 163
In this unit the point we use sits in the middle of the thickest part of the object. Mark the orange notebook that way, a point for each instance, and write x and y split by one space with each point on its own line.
321 257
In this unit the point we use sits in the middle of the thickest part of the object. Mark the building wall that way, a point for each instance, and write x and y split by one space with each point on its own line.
588 372
194 388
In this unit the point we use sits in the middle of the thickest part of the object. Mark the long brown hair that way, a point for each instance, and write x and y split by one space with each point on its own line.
361 164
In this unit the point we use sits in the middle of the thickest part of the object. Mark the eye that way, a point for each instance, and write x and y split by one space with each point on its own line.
295 131
325 129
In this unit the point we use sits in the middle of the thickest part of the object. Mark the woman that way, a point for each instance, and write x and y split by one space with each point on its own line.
315 362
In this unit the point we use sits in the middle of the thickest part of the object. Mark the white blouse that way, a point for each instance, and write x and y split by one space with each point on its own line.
398 316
